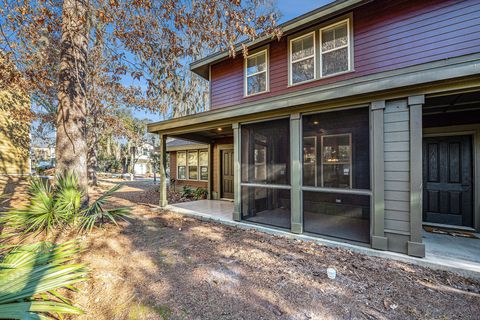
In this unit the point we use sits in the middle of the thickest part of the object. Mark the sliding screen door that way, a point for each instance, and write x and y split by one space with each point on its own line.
336 174
266 173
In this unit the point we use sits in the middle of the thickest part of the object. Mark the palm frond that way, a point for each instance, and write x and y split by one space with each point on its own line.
30 276
97 213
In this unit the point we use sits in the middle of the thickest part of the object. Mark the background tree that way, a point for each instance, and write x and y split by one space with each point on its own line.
144 47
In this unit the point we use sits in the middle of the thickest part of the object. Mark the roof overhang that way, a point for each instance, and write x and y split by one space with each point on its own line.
429 78
201 66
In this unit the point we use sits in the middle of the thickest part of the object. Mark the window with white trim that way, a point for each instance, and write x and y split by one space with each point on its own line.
256 73
335 48
193 165
302 58
203 163
192 161
181 165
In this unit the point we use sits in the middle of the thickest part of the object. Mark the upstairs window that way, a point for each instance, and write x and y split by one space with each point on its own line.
302 58
334 48
256 73
311 59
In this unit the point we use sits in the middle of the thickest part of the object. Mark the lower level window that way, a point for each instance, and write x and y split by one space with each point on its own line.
181 165
193 165
203 164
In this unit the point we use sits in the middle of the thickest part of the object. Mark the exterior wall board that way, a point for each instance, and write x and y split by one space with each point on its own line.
387 36
397 174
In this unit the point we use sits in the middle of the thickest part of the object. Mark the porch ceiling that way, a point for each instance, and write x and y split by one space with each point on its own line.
452 103
206 136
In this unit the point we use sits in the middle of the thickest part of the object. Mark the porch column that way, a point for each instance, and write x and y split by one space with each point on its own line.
377 108
162 188
415 246
210 171
296 173
237 200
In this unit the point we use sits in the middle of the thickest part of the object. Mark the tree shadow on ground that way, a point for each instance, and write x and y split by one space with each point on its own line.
165 266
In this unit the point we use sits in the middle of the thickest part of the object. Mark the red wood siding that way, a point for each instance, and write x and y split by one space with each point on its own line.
388 35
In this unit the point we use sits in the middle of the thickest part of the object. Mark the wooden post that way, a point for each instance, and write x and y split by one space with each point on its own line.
237 193
162 188
379 241
210 171
415 245
296 173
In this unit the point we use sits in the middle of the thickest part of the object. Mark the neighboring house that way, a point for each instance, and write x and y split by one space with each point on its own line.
361 123
14 145
14 134
189 164
43 156
143 160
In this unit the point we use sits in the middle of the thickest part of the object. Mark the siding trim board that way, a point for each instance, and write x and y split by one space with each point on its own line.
378 239
397 175
415 247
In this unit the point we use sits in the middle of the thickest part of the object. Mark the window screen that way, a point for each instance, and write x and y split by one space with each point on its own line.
336 155
265 154
336 149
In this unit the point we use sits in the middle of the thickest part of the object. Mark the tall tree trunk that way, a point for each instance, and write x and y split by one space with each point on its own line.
71 147
93 153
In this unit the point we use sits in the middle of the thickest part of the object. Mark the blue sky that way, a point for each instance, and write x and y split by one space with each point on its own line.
293 8
289 9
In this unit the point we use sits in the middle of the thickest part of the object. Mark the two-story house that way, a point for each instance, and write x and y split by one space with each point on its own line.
362 123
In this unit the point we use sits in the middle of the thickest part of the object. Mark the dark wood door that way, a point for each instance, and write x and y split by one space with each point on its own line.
448 180
227 174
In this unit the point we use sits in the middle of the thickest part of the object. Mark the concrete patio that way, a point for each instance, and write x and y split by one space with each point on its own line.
444 252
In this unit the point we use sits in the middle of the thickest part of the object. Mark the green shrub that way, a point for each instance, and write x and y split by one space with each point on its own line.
53 207
30 277
200 193
187 192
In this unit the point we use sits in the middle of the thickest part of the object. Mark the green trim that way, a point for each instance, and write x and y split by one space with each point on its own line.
296 173
237 192
210 171
200 67
187 147
218 155
416 175
379 243
416 249
378 174
162 188
416 80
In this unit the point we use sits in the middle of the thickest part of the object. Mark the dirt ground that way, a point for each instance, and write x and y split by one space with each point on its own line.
162 265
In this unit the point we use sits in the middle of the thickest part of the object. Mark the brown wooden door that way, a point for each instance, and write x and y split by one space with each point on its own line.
227 174
448 180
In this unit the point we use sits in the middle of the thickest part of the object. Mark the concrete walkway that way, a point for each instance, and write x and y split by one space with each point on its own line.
443 252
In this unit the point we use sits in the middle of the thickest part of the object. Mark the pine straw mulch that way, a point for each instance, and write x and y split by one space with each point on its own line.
162 265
